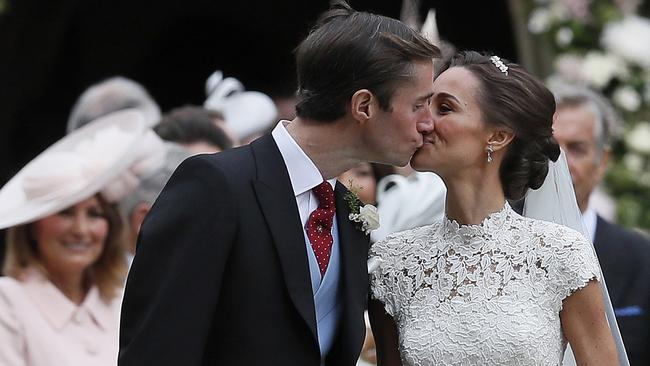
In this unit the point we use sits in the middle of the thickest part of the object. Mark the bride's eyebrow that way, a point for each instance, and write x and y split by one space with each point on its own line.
445 95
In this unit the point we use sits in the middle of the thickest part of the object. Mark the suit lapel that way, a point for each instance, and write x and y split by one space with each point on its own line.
354 247
353 244
278 203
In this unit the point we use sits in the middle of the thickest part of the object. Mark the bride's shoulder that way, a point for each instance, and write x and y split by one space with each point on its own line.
554 234
405 240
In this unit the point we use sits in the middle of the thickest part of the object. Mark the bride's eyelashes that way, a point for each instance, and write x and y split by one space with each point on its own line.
443 108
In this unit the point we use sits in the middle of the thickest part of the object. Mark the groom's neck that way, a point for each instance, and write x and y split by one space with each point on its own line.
332 146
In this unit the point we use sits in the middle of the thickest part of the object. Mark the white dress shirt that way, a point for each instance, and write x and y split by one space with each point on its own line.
590 219
304 176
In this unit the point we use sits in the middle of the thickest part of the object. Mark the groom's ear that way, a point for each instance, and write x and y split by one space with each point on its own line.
361 105
499 139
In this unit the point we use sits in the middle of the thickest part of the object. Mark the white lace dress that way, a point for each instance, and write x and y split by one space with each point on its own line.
486 294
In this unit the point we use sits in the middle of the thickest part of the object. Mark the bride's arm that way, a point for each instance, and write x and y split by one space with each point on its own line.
385 333
585 326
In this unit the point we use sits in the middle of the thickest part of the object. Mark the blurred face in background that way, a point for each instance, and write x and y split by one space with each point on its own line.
361 179
574 128
71 240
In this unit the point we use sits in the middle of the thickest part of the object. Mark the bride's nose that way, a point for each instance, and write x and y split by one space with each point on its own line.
425 126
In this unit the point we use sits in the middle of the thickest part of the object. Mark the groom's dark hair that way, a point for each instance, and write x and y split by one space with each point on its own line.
347 51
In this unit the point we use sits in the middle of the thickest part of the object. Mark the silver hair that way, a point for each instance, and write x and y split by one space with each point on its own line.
608 122
151 185
112 95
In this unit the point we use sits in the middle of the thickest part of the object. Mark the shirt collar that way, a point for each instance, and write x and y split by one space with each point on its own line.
303 173
57 308
590 218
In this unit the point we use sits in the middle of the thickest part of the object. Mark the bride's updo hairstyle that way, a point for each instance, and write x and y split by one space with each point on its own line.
509 96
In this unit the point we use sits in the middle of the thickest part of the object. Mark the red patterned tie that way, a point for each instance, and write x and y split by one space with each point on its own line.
319 225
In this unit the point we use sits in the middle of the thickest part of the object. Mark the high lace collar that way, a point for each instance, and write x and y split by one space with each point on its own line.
490 224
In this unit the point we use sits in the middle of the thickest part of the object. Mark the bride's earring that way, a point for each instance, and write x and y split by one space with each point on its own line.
489 150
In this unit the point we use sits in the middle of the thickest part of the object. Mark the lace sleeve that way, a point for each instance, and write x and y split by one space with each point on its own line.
383 280
570 262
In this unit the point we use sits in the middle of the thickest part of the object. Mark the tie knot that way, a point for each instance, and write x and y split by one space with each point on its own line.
325 195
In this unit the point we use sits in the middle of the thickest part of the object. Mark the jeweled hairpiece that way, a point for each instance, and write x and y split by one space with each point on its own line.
499 64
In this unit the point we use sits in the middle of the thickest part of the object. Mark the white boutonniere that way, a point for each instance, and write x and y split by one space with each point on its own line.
365 216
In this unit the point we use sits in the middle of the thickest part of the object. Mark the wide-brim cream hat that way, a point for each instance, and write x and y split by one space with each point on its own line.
73 169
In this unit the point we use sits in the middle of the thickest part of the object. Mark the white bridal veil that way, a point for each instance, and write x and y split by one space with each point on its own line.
555 201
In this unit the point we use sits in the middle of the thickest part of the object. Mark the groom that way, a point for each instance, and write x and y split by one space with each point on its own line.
249 257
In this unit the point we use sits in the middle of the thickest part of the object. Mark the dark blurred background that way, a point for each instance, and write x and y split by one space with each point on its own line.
52 50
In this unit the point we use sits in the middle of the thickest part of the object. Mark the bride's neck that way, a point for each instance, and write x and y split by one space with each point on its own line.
471 199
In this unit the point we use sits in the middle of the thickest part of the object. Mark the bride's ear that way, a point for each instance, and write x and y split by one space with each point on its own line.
500 138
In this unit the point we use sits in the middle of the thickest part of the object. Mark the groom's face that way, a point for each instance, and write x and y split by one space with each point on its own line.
398 132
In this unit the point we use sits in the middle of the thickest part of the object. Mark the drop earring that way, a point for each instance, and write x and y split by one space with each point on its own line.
489 150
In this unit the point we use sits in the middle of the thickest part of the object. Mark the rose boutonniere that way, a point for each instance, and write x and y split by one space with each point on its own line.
365 216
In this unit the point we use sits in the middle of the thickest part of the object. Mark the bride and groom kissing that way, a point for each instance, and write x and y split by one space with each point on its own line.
250 256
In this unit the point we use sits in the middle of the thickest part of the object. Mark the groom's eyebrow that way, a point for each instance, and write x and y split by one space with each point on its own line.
425 97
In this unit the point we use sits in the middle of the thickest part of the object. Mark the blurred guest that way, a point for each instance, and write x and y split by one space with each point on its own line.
116 94
195 129
361 180
408 202
65 267
249 114
583 124
112 95
135 205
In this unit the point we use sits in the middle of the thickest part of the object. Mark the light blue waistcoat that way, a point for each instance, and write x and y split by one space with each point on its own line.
326 294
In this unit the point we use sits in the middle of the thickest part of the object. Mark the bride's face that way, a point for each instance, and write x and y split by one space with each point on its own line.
460 136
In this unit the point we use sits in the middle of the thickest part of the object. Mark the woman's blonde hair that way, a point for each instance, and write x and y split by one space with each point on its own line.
107 273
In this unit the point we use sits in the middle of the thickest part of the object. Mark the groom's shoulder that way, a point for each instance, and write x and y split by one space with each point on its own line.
230 162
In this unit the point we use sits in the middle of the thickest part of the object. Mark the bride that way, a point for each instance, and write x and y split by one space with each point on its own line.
486 286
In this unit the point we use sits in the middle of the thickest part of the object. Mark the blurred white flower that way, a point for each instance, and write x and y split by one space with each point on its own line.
638 139
629 39
569 67
539 21
627 98
564 36
600 68
633 162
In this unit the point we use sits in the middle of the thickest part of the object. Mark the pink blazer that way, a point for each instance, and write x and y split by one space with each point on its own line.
39 326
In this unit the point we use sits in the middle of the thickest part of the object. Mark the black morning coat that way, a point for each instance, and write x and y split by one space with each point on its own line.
221 277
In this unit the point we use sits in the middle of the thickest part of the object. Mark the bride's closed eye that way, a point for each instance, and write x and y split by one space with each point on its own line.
444 108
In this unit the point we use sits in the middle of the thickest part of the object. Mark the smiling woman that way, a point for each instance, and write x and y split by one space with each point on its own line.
65 261
76 249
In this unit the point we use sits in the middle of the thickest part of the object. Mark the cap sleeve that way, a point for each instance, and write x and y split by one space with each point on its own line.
383 280
570 262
